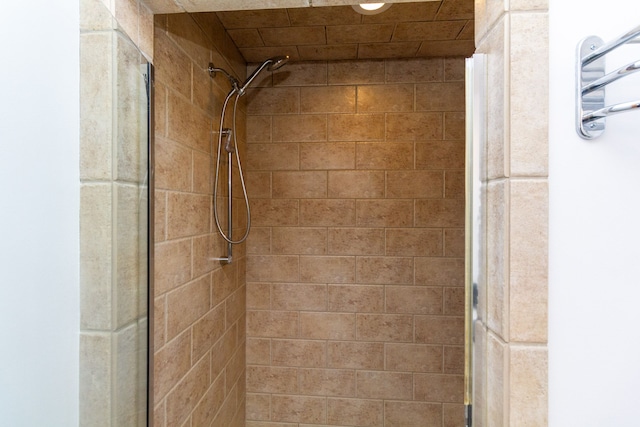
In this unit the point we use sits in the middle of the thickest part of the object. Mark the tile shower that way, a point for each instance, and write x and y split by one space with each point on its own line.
353 271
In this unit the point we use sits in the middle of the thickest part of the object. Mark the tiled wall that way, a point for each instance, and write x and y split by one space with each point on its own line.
199 342
511 356
355 265
113 220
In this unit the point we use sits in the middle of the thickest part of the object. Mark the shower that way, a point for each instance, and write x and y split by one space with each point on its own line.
230 146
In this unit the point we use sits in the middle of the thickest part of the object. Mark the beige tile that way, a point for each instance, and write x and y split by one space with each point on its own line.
454 242
187 304
453 414
222 351
412 413
272 324
414 70
258 184
413 358
440 155
405 12
446 96
272 268
225 282
356 241
328 99
370 33
529 138
439 213
361 412
258 406
301 74
497 394
188 124
172 265
187 214
439 330
246 37
160 213
272 157
96 113
384 213
211 403
356 72
384 327
298 296
454 360
327 269
454 126
274 212
333 52
96 263
235 306
299 240
384 270
439 388
387 50
454 184
282 36
172 165
258 351
189 37
254 18
333 155
300 128
272 379
439 271
384 155
301 353
413 300
171 64
528 261
323 326
258 296
528 386
170 364
327 382
498 258
282 100
328 212
355 355
356 184
299 185
384 385
454 69
414 126
356 127
459 48
454 301
421 31
424 184
385 98
95 376
258 54
207 330
298 409
413 242
323 16
201 180
258 128
355 298
159 323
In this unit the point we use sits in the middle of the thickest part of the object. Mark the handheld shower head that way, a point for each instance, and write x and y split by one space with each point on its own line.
270 64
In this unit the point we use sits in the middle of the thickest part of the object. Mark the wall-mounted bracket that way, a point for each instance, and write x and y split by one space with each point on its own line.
592 79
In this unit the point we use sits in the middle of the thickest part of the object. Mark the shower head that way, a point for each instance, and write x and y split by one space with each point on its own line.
270 64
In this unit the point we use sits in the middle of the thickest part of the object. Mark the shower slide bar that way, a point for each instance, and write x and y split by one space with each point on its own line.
591 81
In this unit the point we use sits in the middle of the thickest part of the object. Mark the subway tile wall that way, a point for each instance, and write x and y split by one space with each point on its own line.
199 342
355 263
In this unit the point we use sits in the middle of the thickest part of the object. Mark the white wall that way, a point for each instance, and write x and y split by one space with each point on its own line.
594 286
39 202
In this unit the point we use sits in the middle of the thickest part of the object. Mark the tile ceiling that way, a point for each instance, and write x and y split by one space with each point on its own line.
432 28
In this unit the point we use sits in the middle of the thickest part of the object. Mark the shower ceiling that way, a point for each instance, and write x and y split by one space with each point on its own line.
431 28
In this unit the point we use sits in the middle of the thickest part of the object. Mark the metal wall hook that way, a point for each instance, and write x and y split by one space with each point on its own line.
592 79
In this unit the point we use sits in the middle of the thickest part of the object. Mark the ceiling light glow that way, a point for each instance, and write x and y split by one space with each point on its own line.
371 8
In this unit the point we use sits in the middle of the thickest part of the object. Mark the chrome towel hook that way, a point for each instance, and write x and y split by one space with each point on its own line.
592 79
